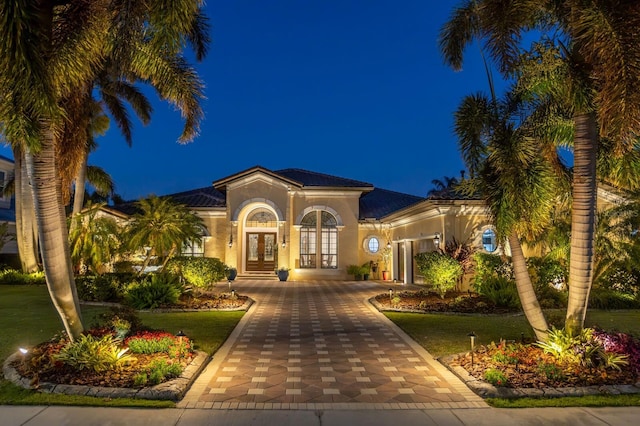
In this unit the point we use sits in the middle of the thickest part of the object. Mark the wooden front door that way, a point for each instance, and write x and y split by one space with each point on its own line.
261 251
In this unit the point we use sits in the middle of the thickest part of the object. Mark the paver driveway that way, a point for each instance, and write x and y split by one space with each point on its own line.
309 345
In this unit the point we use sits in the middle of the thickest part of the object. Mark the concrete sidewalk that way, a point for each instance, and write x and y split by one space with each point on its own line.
53 416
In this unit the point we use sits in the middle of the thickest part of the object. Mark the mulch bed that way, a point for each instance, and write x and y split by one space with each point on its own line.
210 300
38 367
535 369
455 302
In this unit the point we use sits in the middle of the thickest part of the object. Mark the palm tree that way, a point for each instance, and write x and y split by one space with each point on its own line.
162 226
94 240
26 231
444 188
600 46
50 51
510 174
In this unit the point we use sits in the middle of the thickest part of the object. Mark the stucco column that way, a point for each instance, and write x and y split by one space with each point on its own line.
408 262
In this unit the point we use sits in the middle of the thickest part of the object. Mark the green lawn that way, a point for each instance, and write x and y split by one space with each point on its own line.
28 318
447 334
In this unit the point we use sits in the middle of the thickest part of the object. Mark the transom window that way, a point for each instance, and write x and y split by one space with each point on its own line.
261 218
324 254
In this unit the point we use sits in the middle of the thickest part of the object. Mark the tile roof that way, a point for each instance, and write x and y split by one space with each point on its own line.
381 202
309 178
200 197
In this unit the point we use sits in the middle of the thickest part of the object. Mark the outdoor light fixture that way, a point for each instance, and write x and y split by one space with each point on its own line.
388 244
229 285
472 336
230 240
23 351
284 241
233 294
390 296
180 334
436 240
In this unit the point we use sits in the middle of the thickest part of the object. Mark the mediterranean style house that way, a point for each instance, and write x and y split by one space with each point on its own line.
316 225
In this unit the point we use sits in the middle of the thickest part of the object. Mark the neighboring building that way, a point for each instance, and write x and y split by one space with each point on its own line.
259 220
7 209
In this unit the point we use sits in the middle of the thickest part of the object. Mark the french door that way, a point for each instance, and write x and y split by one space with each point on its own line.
261 251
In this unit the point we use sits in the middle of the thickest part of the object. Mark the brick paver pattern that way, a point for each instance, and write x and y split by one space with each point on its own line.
322 342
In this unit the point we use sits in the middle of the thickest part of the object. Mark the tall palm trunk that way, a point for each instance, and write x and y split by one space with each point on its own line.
54 243
582 221
25 226
169 256
528 299
80 183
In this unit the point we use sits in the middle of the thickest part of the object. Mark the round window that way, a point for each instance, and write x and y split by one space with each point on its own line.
372 245
489 240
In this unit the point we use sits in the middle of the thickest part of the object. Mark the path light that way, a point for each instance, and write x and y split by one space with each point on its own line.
472 336
233 294
229 285
390 296
23 351
180 334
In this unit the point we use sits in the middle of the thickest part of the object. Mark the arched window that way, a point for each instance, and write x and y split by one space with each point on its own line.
489 240
325 224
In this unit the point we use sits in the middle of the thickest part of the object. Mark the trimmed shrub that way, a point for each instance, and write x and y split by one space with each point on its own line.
160 290
104 288
490 266
14 277
501 292
440 270
200 272
604 298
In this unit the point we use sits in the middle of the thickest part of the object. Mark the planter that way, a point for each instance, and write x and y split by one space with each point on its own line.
232 274
365 277
283 275
385 275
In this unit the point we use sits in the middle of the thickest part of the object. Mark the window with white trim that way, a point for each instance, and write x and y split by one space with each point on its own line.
321 223
372 245
489 240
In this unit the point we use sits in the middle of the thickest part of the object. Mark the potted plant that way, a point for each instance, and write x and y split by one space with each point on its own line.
283 274
232 273
385 257
356 271
366 270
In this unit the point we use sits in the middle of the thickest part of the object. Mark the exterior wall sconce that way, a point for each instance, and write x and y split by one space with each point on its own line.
436 240
388 244
284 241
230 240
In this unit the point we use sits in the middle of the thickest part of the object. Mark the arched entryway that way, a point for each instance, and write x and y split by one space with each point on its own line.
260 248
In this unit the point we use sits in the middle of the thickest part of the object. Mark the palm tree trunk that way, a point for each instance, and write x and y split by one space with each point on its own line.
25 235
528 299
54 241
582 221
80 184
169 255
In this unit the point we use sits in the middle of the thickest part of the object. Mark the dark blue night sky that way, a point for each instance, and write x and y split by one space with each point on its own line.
357 89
